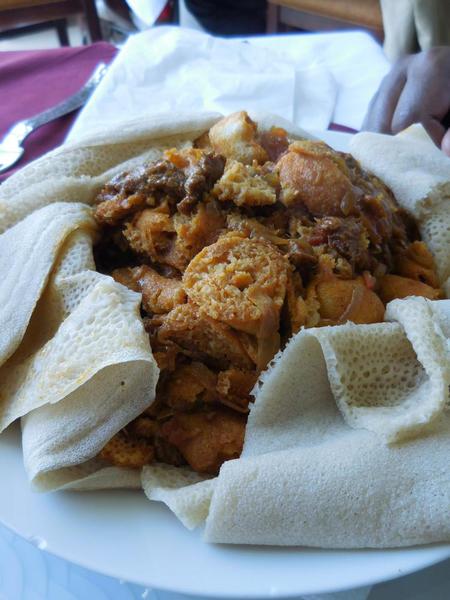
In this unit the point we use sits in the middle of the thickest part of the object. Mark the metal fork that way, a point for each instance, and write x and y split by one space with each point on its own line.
11 146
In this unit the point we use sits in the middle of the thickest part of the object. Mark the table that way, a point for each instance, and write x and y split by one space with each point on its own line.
40 79
33 81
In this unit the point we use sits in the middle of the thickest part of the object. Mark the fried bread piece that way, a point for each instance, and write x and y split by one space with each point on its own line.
159 294
125 451
417 263
206 439
344 300
247 185
235 137
203 338
126 276
150 232
189 385
312 174
395 286
234 387
339 300
193 233
239 281
143 427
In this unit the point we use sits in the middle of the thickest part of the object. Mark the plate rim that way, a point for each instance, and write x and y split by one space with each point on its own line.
442 555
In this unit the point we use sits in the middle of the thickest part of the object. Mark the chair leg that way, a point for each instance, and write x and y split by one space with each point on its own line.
93 22
273 18
61 29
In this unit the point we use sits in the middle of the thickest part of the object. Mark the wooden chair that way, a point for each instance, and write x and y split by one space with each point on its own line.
325 15
22 16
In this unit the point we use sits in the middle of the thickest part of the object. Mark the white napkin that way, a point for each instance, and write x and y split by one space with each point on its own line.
355 60
311 79
167 69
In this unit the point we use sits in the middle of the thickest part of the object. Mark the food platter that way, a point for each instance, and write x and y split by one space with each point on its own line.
121 534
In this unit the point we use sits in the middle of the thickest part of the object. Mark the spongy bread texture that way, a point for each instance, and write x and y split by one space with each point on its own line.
187 494
347 491
390 378
307 478
40 235
435 230
90 475
89 379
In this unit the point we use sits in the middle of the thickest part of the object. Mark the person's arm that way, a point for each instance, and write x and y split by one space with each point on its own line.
416 90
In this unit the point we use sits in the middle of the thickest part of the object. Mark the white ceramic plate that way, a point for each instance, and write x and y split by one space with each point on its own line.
121 534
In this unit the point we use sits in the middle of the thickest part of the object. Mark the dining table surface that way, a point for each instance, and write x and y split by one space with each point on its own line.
30 82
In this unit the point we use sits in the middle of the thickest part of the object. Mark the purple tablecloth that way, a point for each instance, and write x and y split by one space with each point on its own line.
32 81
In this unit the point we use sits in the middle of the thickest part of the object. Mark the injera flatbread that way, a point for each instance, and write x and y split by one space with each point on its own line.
310 473
306 478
